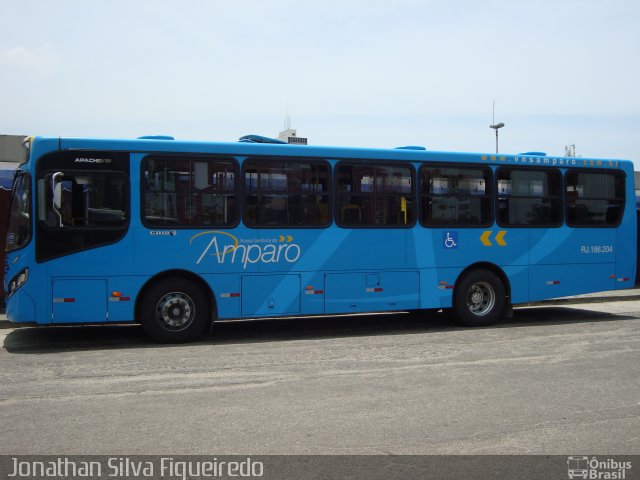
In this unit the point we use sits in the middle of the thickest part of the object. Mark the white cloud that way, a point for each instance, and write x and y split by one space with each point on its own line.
28 57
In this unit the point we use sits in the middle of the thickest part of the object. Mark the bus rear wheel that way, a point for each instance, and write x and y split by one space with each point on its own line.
479 298
174 311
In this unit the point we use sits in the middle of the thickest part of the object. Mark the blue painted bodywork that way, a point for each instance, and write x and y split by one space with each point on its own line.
319 270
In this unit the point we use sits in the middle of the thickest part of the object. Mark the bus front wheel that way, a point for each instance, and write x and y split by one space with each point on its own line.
479 298
174 311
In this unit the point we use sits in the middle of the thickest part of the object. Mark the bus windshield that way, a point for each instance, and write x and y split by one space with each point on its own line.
19 232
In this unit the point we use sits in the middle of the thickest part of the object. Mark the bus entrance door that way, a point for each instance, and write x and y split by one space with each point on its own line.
79 301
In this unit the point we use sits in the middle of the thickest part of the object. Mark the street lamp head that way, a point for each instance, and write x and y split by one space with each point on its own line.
497 126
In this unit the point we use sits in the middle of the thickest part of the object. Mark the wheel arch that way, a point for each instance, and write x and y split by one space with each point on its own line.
178 274
493 268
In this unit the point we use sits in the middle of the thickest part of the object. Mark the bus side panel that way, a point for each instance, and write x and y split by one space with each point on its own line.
626 258
627 240
570 261
461 247
226 290
356 249
313 293
94 299
270 294
550 281
568 246
518 277
433 294
371 291
122 292
79 300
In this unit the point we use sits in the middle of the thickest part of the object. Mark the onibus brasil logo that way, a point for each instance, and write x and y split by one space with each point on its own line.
597 469
225 248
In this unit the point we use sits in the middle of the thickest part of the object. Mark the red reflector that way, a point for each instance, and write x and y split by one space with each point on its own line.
449 287
119 298
232 295
69 300
318 292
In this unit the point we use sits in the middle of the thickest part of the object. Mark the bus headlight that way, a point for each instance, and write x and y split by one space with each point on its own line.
19 280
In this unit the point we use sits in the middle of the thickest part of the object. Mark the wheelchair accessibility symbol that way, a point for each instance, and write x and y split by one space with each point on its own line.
450 240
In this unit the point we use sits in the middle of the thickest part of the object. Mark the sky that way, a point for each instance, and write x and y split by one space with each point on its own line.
348 72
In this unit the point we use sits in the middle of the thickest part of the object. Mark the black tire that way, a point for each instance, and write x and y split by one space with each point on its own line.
479 298
174 311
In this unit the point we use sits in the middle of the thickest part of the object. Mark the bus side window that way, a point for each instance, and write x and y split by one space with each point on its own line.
375 195
87 200
457 196
290 192
594 198
183 191
529 197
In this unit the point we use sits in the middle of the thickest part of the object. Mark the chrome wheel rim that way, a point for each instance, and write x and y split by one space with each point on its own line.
175 311
481 298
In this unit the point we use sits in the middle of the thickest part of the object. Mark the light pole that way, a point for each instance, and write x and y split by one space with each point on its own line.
496 127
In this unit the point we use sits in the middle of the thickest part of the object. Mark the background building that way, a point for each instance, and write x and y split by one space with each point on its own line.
11 148
289 134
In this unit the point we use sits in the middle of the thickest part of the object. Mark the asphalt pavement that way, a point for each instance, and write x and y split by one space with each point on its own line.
552 380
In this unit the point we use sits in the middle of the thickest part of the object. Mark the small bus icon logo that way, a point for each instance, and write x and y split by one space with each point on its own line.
578 467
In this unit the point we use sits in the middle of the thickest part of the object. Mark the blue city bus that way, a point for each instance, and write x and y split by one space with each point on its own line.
175 235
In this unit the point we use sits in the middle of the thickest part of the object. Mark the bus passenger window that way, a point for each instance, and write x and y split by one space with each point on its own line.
292 193
182 191
529 198
455 196
594 198
375 195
